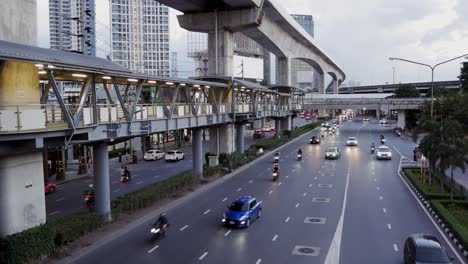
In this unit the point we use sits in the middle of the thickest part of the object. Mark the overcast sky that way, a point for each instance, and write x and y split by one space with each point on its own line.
359 35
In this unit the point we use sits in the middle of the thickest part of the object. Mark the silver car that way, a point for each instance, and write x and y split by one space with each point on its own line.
384 152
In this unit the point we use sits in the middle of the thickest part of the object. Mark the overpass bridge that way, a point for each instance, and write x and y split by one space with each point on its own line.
423 87
264 21
136 105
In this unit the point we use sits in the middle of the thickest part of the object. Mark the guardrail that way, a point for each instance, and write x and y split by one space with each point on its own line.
390 101
44 117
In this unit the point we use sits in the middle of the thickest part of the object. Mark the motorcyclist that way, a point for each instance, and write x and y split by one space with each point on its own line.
127 173
162 223
382 136
299 152
372 145
276 168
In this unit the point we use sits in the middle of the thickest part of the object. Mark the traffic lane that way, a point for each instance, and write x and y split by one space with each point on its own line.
68 198
390 218
177 214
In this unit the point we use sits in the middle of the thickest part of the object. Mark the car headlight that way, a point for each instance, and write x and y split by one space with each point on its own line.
224 215
243 217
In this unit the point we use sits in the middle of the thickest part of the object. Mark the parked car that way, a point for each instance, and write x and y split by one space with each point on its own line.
174 155
383 121
384 152
333 153
258 134
153 154
352 141
268 129
242 212
421 249
49 187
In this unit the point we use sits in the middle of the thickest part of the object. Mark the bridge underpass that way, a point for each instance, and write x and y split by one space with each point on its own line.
380 103
136 106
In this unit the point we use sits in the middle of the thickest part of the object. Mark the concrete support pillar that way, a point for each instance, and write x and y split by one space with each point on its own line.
197 152
224 134
377 113
401 121
335 85
257 124
262 122
321 83
22 200
277 128
284 71
136 145
101 180
286 123
240 129
224 48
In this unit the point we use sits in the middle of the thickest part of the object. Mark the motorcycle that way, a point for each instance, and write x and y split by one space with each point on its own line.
89 198
299 157
276 159
372 150
323 135
157 232
382 140
124 178
275 175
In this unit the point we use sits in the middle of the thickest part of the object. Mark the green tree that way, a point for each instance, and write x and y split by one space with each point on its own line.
430 147
439 91
452 149
464 77
406 90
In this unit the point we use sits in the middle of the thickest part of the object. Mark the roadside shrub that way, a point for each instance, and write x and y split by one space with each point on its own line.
211 171
454 216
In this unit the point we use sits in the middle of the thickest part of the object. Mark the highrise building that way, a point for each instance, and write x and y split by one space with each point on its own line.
140 36
72 26
174 65
302 74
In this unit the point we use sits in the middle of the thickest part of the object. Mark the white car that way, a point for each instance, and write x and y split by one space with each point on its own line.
153 154
384 152
352 141
174 155
365 119
383 121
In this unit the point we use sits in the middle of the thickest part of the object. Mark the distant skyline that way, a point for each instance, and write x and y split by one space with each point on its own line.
360 35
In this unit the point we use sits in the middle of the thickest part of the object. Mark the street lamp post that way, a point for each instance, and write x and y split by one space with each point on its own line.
432 74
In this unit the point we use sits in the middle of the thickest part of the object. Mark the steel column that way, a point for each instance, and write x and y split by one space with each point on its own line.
66 113
121 101
240 129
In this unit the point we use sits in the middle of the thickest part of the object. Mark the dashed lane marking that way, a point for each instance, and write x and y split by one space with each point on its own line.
258 261
60 199
227 233
395 247
270 192
378 188
207 211
183 228
297 205
384 210
118 190
389 226
140 182
56 212
274 238
287 219
304 194
280 183
310 185
315 178
381 198
240 189
203 256
153 249
250 181
287 176
225 199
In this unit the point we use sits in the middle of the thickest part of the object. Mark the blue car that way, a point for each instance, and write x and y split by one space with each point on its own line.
242 212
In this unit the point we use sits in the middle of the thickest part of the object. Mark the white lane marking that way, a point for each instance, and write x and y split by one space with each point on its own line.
156 176
203 256
455 251
227 233
56 212
118 190
183 228
310 185
140 182
304 194
153 249
60 199
287 176
293 170
378 188
270 192
207 211
274 238
384 210
297 205
375 180
280 183
380 198
239 189
287 219
250 181
258 261
224 199
389 226
395 247
115 182
333 255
